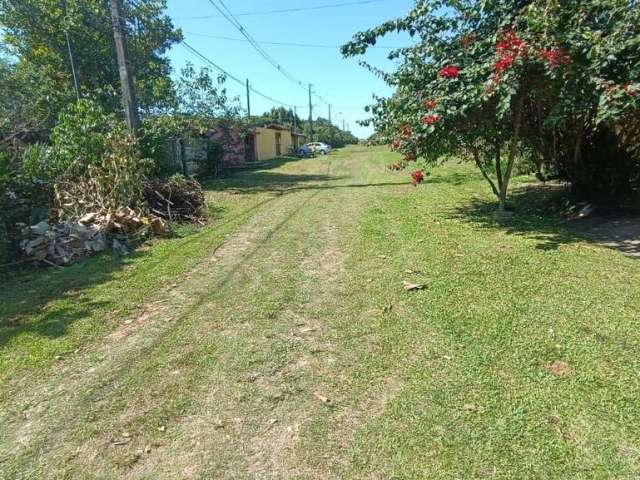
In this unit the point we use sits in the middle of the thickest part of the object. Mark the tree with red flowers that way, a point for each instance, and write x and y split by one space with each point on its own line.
555 82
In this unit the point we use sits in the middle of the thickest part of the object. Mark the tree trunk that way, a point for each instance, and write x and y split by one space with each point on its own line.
502 197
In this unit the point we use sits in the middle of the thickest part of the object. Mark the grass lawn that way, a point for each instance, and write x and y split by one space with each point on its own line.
278 341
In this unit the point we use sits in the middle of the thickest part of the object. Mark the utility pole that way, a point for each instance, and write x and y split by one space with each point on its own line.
71 62
329 114
295 118
129 101
310 115
248 101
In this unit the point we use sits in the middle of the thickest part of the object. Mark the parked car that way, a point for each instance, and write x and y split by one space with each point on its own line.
305 151
319 147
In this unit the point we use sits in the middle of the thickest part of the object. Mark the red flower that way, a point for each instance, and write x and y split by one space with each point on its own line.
431 119
510 43
503 63
450 71
417 177
430 104
395 145
509 49
555 57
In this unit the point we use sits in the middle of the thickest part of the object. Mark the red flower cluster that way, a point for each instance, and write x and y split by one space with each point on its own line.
417 177
395 145
509 48
450 71
502 64
430 104
510 43
555 57
431 119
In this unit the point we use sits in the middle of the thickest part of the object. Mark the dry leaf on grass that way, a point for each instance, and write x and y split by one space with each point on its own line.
321 397
412 286
116 442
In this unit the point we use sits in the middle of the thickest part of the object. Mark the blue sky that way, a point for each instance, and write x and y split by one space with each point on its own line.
341 82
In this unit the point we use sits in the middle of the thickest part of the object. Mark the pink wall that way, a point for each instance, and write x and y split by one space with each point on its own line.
234 151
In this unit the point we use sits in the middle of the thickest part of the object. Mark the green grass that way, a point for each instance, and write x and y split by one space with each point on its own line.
205 355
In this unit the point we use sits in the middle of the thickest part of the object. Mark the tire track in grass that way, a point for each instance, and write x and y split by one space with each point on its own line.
61 402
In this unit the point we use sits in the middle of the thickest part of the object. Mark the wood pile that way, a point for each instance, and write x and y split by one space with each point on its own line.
179 200
65 242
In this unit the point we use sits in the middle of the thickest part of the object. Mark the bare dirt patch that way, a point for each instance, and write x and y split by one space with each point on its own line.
560 368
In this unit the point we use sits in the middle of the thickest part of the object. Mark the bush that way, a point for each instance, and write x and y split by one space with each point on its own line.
95 162
23 201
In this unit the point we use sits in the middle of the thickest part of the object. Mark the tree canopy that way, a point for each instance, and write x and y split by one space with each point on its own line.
36 44
555 81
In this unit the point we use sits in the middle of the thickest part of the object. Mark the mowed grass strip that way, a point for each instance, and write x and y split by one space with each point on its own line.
519 359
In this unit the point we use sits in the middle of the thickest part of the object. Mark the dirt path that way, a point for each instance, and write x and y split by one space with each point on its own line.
248 375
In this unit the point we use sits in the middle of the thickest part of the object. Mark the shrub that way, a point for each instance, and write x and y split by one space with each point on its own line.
96 163
23 201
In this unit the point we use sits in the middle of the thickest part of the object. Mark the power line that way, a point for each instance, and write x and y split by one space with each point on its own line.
285 44
233 77
285 10
226 13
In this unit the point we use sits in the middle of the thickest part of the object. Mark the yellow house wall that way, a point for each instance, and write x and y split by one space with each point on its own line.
266 143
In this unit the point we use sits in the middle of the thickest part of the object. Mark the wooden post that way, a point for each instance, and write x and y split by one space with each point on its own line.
310 116
129 101
70 53
248 101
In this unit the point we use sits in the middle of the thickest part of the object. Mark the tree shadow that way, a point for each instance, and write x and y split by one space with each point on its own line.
30 291
535 214
264 181
540 212
270 164
453 178
614 229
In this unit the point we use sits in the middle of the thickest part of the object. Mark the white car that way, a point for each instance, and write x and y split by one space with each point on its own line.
319 147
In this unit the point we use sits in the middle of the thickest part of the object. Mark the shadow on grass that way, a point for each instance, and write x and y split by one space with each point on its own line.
29 292
454 178
537 213
259 181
